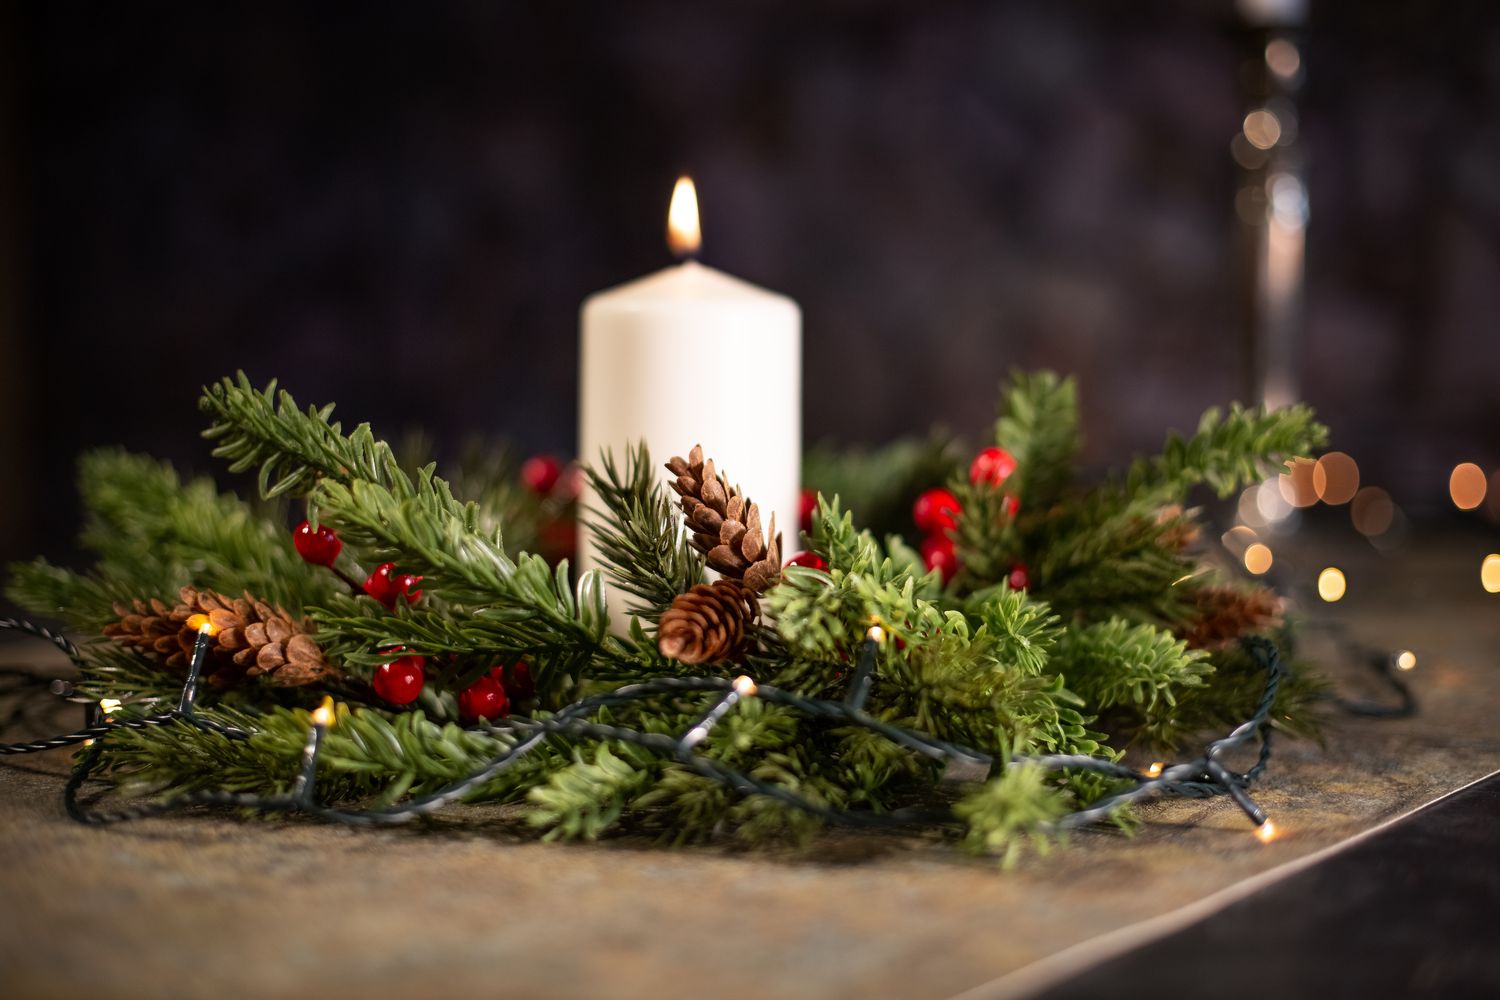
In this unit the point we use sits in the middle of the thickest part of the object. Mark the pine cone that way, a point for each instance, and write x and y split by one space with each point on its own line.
253 638
1223 614
725 525
707 623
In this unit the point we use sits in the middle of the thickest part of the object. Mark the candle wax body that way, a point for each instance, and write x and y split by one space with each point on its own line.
688 356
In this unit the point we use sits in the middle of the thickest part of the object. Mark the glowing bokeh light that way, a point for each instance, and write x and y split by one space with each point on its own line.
1273 507
1406 660
1489 573
1239 538
1335 478
1258 558
1297 483
1467 485
1331 584
1282 58
1266 832
1262 128
1372 511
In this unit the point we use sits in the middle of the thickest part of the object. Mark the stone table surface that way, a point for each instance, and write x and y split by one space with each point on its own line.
207 905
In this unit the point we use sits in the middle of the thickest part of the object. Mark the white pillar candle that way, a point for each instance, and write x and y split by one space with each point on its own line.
690 355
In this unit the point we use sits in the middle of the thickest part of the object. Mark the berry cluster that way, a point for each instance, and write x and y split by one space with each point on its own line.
400 681
936 513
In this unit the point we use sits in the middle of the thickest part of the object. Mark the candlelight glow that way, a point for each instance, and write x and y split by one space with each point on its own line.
683 233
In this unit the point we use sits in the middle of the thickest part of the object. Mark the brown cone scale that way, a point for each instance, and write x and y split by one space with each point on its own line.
725 525
708 623
253 638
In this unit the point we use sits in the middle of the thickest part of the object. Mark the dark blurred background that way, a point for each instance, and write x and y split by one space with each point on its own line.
400 207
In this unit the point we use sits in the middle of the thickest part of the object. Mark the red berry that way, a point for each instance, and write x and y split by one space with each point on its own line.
558 538
516 679
938 554
406 586
571 483
1020 577
319 546
540 473
1010 505
809 559
484 699
936 511
807 506
380 586
992 466
400 681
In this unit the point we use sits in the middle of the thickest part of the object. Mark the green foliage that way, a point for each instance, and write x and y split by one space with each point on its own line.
1113 664
640 541
1039 425
152 534
1012 811
1228 452
1088 647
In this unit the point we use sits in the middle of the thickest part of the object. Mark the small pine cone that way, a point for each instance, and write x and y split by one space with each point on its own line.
148 627
253 638
707 623
1223 614
725 525
1179 530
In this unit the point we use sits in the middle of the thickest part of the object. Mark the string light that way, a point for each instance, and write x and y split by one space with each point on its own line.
1331 584
876 634
202 625
1406 660
323 715
1467 486
1154 771
1258 558
1489 573
109 706
1266 832
574 722
1335 478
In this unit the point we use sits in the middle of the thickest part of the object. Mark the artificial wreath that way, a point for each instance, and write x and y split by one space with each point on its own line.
1012 616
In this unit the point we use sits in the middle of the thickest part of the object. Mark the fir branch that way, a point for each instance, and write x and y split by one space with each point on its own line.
639 536
1010 812
291 449
1114 663
1039 426
154 534
586 798
366 754
1229 451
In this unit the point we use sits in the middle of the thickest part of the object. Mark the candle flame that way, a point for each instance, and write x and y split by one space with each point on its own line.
683 233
